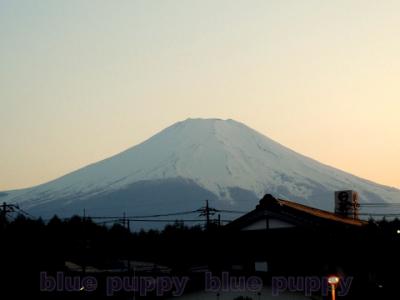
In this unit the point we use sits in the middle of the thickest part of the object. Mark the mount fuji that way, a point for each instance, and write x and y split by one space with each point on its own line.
223 161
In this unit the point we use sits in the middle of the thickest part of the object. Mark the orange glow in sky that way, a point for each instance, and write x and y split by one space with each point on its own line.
83 80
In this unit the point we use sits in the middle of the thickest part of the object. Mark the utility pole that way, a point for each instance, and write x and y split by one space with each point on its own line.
207 215
85 242
126 224
207 211
7 208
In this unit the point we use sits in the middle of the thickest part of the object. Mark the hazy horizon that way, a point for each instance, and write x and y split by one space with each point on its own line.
82 81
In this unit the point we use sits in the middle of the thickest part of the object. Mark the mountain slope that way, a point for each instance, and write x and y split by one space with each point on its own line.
222 160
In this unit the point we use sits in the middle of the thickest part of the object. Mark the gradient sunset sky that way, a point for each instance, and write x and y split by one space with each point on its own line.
83 80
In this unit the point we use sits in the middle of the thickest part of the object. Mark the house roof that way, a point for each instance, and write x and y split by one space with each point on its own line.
323 214
294 213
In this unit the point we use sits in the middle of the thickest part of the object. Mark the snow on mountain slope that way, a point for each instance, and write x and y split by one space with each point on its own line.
218 156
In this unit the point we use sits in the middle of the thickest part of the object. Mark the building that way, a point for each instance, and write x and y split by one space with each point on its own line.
284 237
272 213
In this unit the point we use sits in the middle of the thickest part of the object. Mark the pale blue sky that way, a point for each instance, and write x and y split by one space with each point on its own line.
83 80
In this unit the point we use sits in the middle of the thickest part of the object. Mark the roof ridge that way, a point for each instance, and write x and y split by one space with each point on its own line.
319 212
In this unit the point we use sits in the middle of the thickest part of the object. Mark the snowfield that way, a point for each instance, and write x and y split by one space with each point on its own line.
223 160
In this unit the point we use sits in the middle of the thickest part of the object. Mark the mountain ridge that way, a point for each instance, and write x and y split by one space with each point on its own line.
215 156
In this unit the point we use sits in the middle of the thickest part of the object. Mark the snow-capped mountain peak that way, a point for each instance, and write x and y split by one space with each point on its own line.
222 159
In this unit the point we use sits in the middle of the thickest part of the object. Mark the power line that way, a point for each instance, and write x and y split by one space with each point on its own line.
159 221
232 211
10 216
172 220
167 214
379 204
381 214
149 216
26 213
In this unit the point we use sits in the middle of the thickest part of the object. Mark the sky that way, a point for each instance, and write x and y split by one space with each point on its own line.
83 80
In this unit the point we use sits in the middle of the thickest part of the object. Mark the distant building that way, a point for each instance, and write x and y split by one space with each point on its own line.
284 237
272 213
